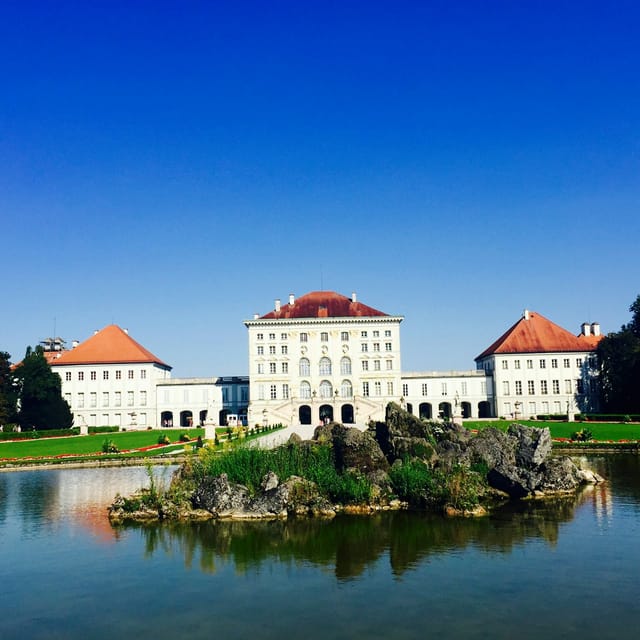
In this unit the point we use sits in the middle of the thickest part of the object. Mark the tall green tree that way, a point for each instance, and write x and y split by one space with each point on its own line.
7 391
619 357
40 400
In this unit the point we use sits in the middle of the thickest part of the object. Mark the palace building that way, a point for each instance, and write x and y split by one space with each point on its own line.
325 356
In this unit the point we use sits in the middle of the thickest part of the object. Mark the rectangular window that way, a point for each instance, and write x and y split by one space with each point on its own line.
483 388
389 388
543 363
118 399
344 336
425 389
518 388
516 364
505 388
365 365
105 398
463 389
376 365
565 363
557 408
272 336
105 419
387 346
260 368
531 387
272 349
143 374
81 400
105 375
377 388
444 388
260 350
143 398
405 389
304 337
578 362
376 346
285 391
543 387
387 333
93 399
376 334
507 409
363 334
545 407
129 398
529 364
260 336
579 386
67 376
130 374
532 409
505 364
364 347
283 336
284 350
93 375
260 392
272 392
324 336
554 363
272 367
555 385
389 365
365 389
118 375
80 375
285 367
567 386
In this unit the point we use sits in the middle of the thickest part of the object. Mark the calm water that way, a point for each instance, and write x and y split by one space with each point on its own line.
560 570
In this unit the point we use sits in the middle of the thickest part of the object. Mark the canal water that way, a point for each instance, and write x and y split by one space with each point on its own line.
560 569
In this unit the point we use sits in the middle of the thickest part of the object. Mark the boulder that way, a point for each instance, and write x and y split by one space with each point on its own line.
533 446
220 497
355 449
493 447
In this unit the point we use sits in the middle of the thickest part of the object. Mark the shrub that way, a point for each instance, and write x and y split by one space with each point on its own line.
109 446
164 439
584 435
184 437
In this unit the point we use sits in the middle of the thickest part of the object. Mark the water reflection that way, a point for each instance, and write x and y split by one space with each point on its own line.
350 545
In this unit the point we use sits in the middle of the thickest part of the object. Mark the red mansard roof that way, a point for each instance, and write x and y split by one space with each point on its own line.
323 304
534 333
111 345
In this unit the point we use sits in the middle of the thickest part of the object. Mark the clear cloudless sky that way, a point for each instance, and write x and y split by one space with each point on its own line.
173 167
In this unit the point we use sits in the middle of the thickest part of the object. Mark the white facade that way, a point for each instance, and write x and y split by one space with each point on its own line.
122 395
304 370
444 394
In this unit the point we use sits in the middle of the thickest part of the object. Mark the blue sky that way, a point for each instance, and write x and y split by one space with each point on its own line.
175 167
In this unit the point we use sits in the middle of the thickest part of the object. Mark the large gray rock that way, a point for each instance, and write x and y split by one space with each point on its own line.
355 449
533 446
493 447
220 497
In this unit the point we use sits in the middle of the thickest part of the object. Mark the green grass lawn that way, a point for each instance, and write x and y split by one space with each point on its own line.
83 445
601 430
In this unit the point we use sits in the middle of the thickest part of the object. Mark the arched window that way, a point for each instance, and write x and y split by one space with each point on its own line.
325 367
305 367
345 366
346 389
326 390
305 390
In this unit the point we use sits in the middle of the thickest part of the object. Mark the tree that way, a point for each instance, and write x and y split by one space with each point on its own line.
40 394
7 391
619 357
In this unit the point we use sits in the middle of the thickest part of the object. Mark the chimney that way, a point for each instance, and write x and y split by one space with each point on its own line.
353 297
595 328
525 314
74 344
277 303
126 330
256 316
585 329
95 331
292 299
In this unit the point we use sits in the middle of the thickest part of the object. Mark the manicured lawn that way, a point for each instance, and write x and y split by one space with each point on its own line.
80 445
602 431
